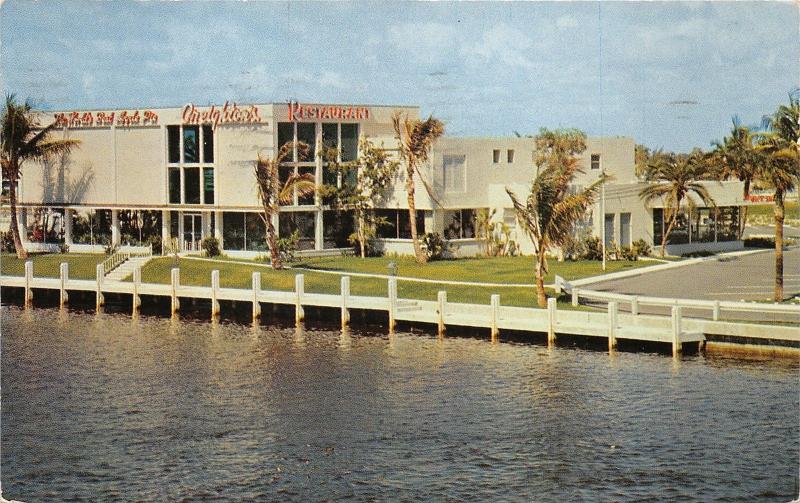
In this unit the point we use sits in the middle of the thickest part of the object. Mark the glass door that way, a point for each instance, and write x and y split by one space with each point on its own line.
192 231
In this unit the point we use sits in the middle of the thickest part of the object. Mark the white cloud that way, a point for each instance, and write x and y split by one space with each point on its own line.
424 42
504 44
564 22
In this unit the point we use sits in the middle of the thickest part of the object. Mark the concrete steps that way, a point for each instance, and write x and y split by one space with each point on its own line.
126 268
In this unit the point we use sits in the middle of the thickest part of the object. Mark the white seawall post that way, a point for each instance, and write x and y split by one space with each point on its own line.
574 296
613 309
635 306
392 303
99 275
28 280
441 299
137 285
495 305
63 297
256 293
214 290
175 280
345 301
552 307
299 290
715 312
677 314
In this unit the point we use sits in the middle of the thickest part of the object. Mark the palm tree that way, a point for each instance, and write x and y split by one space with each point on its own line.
273 193
24 140
415 138
781 170
551 210
736 156
675 177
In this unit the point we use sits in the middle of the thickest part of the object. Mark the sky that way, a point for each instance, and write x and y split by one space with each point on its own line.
669 74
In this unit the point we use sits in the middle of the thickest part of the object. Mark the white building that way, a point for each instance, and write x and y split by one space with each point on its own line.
154 175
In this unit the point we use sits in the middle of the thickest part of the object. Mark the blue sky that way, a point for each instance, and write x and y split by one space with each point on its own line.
668 74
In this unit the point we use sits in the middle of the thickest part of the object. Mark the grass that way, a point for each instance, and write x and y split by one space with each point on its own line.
764 214
81 266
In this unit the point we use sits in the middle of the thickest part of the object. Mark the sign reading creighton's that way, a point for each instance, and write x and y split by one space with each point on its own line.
300 111
229 113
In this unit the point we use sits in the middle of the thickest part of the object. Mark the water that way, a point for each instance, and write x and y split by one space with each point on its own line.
106 408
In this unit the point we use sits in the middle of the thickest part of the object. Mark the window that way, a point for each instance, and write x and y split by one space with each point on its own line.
208 185
510 155
397 225
301 222
330 136
624 229
174 185
306 133
285 134
337 227
191 185
349 142
191 153
309 199
91 227
496 156
454 173
255 232
174 141
208 144
459 224
728 223
595 161
233 230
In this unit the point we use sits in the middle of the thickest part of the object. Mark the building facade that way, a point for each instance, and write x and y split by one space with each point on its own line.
177 175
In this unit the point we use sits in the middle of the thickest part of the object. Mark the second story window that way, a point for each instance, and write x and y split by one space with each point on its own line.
510 156
595 161
190 171
496 156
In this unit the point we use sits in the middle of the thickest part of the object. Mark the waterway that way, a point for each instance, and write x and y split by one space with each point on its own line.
109 408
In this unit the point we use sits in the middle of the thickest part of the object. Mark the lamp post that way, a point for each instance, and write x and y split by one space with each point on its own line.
603 214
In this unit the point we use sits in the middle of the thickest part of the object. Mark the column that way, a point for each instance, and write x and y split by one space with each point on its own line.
205 219
165 223
68 226
319 237
115 230
22 223
218 227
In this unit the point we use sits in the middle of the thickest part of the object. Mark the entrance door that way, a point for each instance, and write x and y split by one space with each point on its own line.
192 231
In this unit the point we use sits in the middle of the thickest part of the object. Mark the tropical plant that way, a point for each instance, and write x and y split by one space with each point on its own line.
641 157
273 193
736 156
415 138
495 235
641 248
23 139
674 177
552 208
435 246
780 170
360 186
211 246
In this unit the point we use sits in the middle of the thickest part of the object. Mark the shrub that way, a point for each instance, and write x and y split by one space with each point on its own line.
629 253
641 248
698 253
7 242
435 246
211 246
287 247
592 249
765 242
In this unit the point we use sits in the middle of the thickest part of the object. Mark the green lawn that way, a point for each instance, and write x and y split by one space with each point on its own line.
81 266
760 214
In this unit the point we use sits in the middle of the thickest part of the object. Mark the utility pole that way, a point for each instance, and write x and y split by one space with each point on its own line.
603 212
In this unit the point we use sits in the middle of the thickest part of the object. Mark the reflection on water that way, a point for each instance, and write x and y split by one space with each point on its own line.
104 408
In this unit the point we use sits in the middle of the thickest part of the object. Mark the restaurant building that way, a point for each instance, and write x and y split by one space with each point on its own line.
166 176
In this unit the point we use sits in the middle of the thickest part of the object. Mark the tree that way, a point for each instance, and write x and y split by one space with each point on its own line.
641 157
273 193
361 185
23 139
780 169
673 178
736 156
552 207
415 138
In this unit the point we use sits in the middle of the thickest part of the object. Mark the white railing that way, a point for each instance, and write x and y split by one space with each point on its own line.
120 257
715 306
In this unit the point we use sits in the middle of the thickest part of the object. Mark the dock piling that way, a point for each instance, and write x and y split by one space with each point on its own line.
299 290
99 298
495 303
441 298
574 296
552 306
392 300
28 280
635 306
256 292
613 309
175 277
214 290
137 284
677 346
715 314
63 297
345 301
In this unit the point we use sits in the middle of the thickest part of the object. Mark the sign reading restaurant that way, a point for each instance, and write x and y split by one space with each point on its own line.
300 111
229 113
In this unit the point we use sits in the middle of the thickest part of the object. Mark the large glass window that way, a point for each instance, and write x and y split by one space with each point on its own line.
728 223
191 185
338 226
174 185
191 142
91 227
349 142
658 225
285 134
255 232
306 133
233 230
174 142
208 144
300 221
140 227
330 135
459 224
208 185
309 199
397 224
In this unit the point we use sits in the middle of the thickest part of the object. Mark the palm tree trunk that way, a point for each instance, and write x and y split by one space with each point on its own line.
419 254
541 298
361 234
779 216
12 195
667 232
274 255
743 211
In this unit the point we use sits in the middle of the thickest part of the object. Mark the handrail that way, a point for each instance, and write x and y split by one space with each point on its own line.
121 256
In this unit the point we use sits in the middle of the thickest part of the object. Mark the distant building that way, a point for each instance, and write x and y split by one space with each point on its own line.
183 174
